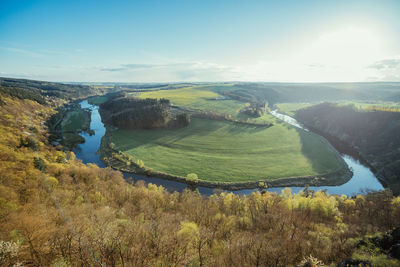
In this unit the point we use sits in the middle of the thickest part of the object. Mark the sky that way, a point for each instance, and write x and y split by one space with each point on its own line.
200 40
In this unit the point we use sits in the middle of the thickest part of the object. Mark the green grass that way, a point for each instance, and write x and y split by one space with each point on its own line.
206 98
229 152
197 98
97 100
75 120
291 108
380 105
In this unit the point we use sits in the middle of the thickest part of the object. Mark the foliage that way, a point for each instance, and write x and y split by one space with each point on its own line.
8 252
374 134
192 177
128 112
39 91
92 217
255 109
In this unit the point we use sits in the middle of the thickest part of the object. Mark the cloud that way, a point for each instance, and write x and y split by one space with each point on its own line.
128 67
387 69
140 66
134 66
21 51
386 64
177 71
113 69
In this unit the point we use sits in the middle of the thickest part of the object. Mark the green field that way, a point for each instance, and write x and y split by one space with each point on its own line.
97 100
229 152
291 108
379 105
198 98
207 99
76 120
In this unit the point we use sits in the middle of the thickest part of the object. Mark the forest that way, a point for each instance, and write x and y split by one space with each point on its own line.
373 132
128 112
56 211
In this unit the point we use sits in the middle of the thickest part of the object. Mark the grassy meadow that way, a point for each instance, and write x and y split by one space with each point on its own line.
207 98
291 108
97 100
229 152
198 98
374 105
76 120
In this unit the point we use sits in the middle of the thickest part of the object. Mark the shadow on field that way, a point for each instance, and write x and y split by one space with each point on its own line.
320 154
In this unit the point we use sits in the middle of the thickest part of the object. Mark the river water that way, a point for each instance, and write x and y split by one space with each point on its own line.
363 178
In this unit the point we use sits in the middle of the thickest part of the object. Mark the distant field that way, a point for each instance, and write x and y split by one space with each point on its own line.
76 120
225 151
291 108
197 98
378 105
97 100
206 98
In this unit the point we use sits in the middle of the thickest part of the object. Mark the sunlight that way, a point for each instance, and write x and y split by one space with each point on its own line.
345 47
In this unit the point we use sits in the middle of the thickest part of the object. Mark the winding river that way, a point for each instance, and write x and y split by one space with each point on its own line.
363 178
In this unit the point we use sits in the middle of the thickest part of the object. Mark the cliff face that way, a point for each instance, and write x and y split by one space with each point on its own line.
374 134
127 112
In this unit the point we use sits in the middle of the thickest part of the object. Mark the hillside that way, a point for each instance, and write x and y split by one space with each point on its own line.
56 211
41 91
300 92
374 134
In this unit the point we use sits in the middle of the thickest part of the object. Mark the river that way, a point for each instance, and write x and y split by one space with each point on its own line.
363 178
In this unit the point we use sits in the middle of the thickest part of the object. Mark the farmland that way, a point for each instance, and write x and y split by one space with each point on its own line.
226 151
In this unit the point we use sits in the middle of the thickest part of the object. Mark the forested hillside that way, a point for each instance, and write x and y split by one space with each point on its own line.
128 112
41 91
375 134
299 92
56 211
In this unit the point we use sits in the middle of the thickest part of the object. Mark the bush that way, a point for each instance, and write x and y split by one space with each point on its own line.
192 177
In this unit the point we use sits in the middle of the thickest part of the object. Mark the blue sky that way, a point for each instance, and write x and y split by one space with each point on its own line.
200 40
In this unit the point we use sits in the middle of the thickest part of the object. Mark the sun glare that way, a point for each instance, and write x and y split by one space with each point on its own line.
346 46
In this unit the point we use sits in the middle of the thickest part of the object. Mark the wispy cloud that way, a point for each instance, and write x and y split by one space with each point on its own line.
387 69
134 66
36 53
386 64
21 51
175 71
